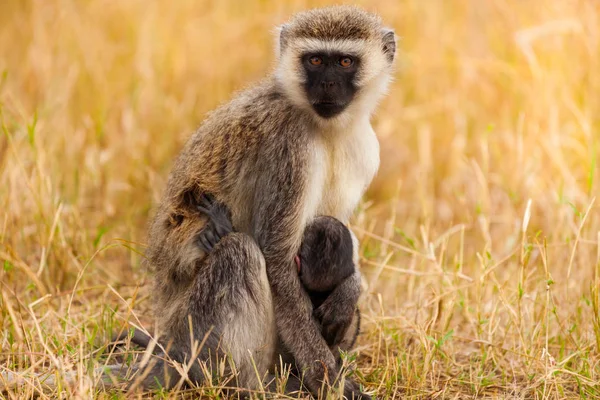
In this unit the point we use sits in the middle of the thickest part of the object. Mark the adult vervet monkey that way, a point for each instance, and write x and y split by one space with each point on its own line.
297 145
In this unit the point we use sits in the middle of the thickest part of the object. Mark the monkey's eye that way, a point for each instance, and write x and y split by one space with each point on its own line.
346 62
314 60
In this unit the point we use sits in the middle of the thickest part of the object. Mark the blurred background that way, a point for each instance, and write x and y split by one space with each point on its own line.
479 234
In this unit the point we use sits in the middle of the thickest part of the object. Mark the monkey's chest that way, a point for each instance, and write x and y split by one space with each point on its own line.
349 167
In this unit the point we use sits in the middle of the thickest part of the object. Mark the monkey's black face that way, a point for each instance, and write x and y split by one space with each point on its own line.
330 81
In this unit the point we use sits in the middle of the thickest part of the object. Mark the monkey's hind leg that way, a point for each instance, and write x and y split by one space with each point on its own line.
230 305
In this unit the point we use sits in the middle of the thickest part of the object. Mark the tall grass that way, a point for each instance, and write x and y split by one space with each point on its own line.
480 235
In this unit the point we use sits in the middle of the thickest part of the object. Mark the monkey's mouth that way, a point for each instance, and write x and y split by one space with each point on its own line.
328 109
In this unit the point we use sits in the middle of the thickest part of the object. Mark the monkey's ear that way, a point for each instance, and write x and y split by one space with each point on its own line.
389 43
283 38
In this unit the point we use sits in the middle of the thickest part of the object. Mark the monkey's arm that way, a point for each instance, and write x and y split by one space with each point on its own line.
337 311
278 227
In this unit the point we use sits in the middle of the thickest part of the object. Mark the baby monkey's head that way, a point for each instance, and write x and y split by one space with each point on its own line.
326 255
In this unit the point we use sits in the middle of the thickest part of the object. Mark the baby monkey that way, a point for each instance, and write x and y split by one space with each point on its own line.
327 256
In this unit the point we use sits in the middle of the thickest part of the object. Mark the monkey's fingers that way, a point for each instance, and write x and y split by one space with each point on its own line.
203 242
206 211
211 237
224 216
223 228
221 231
207 201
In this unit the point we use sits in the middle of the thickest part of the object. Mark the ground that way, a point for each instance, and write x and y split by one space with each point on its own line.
479 236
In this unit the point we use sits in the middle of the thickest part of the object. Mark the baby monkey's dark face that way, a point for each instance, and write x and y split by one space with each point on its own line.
330 81
326 255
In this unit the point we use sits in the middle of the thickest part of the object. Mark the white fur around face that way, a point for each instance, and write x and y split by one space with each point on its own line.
372 78
344 164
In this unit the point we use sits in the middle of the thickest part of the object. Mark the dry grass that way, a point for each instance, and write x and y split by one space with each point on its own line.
480 235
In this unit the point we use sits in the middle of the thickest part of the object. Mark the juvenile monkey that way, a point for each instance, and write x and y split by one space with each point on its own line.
328 256
297 145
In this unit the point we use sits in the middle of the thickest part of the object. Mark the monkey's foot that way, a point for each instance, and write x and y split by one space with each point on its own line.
335 318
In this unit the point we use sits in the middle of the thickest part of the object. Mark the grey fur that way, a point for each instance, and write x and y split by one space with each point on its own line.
334 23
256 155
253 155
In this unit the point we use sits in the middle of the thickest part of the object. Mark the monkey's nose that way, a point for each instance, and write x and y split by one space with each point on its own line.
327 84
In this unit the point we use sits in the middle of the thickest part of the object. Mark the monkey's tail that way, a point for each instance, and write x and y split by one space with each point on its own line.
109 376
140 338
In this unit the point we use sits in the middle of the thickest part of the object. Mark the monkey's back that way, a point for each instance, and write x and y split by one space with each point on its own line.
237 144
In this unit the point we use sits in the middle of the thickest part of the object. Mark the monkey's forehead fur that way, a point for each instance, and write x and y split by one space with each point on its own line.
335 23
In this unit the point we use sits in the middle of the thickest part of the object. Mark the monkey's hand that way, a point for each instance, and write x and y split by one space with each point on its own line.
337 311
218 225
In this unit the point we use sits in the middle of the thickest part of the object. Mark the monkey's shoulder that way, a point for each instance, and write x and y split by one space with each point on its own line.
258 113
257 132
